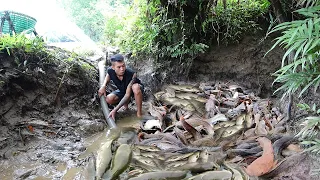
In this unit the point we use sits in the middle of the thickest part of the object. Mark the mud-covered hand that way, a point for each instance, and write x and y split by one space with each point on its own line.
102 91
113 114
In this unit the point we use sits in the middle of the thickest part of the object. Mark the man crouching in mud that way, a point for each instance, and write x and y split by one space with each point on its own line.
127 83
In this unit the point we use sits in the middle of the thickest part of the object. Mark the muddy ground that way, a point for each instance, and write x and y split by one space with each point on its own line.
48 115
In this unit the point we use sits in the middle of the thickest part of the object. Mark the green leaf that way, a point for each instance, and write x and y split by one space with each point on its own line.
314 107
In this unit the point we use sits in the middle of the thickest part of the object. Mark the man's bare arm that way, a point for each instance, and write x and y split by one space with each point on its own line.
128 93
106 80
102 90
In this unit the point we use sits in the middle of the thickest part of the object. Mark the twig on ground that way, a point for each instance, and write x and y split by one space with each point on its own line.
21 136
58 131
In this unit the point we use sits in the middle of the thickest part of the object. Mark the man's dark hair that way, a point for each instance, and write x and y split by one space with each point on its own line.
117 58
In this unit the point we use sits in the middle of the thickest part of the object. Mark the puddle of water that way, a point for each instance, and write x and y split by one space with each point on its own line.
6 173
94 142
129 121
9 172
61 167
42 178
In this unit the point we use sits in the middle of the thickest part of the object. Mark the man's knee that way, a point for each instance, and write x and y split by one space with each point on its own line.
136 88
111 99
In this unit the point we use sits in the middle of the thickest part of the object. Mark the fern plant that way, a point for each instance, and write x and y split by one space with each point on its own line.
311 128
301 71
302 37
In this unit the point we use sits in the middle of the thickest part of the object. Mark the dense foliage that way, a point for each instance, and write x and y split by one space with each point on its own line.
300 69
166 28
185 28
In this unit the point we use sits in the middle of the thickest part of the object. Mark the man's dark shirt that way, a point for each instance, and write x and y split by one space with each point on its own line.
127 77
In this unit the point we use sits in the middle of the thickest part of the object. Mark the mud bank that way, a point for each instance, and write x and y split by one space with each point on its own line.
46 107
244 63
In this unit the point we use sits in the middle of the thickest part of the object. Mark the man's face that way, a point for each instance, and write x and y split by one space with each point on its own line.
119 68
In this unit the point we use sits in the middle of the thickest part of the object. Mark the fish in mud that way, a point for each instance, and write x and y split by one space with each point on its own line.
178 157
205 141
199 106
161 175
183 103
236 174
282 143
197 167
224 124
230 131
175 164
104 156
185 88
135 172
286 164
261 128
198 122
247 145
196 135
147 148
159 95
90 170
244 152
150 164
164 136
180 135
217 118
265 163
158 114
249 119
166 145
191 96
120 162
153 155
210 175
241 119
194 157
204 155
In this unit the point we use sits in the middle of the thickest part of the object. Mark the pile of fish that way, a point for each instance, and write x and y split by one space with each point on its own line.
211 131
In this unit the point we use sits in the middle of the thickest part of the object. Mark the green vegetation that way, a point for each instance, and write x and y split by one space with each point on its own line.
302 38
32 53
300 71
176 29
21 48
181 29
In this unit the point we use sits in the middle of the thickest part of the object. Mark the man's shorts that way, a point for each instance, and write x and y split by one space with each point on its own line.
121 94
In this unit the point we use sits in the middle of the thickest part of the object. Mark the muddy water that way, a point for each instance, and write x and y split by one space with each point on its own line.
26 165
94 142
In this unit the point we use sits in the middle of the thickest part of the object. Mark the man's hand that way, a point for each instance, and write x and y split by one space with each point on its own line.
113 114
102 91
